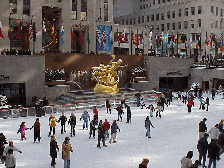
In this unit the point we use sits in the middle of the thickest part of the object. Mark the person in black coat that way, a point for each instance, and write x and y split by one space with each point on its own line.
221 142
207 102
138 95
202 128
120 111
72 122
2 145
128 114
108 106
53 151
63 119
101 133
202 148
92 128
213 152
36 132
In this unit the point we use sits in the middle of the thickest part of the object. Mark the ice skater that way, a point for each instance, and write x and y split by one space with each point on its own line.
159 110
63 120
101 133
22 130
52 124
190 104
119 112
95 114
92 129
142 104
106 126
36 132
72 122
108 106
151 109
85 117
148 123
53 150
114 128
128 114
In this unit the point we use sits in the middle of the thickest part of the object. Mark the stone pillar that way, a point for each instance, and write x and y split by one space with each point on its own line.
110 10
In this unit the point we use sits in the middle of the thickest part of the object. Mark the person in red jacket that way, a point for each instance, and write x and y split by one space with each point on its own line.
95 112
36 130
190 104
106 125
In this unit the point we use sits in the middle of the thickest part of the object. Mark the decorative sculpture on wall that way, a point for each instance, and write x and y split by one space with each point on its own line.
107 79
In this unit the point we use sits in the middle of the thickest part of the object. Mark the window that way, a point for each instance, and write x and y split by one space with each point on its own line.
168 15
147 5
144 6
216 24
179 25
158 1
148 18
162 16
217 11
173 14
26 2
127 22
199 9
168 26
143 19
162 27
13 6
164 1
139 21
152 18
185 24
154 2
186 12
211 23
105 10
133 20
192 24
26 7
140 7
199 22
157 17
122 22
192 10
173 26
74 9
150 5
221 12
221 22
130 21
180 11
212 10
83 10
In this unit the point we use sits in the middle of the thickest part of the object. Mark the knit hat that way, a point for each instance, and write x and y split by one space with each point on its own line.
205 119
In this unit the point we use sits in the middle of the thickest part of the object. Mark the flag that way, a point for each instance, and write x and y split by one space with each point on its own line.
210 40
71 33
19 32
88 40
10 28
206 39
118 39
141 38
175 40
62 33
179 39
156 38
221 41
34 32
199 42
190 41
30 31
164 38
80 35
137 39
103 41
172 37
1 34
52 31
186 42
111 36
44 33
150 37
97 34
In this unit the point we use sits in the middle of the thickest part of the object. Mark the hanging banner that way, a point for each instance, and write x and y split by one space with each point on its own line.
103 38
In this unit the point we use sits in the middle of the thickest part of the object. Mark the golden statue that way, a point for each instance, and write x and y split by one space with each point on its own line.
106 78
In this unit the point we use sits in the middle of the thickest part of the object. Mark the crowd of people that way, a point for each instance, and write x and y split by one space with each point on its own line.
212 150
15 52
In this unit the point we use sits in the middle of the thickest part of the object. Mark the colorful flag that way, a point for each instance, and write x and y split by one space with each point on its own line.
190 41
52 31
103 40
19 32
206 39
34 32
137 39
156 38
62 33
1 34
97 34
71 33
44 33
88 39
111 36
179 39
172 37
141 38
118 38
164 38
80 35
175 40
11 27
30 31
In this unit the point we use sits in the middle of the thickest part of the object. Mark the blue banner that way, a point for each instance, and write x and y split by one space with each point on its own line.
103 38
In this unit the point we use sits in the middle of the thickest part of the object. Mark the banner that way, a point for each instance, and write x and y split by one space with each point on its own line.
103 40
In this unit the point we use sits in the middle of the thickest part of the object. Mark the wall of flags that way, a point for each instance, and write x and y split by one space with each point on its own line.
103 36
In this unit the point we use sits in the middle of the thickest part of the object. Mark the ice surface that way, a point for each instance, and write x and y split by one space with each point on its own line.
173 136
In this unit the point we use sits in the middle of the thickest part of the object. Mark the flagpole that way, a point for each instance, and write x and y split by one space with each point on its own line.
131 42
177 43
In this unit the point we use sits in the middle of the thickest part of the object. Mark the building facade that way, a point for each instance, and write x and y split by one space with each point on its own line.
196 25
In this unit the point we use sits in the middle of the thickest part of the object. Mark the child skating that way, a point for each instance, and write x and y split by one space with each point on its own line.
22 130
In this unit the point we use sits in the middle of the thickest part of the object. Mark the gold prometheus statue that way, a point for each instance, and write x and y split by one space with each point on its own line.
106 78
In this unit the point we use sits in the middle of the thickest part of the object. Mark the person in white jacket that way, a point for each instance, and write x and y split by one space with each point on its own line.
214 132
10 159
186 161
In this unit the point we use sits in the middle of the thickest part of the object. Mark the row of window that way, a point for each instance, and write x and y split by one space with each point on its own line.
13 7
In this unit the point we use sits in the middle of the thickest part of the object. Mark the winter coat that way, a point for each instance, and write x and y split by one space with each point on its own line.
214 133
66 148
95 112
106 125
119 109
202 145
213 150
52 121
148 123
10 147
72 120
159 108
207 101
23 129
107 104
101 130
2 141
142 166
186 162
190 102
128 112
36 126
221 127
202 127
10 160
221 139
53 149
63 119
85 116
114 128
138 95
